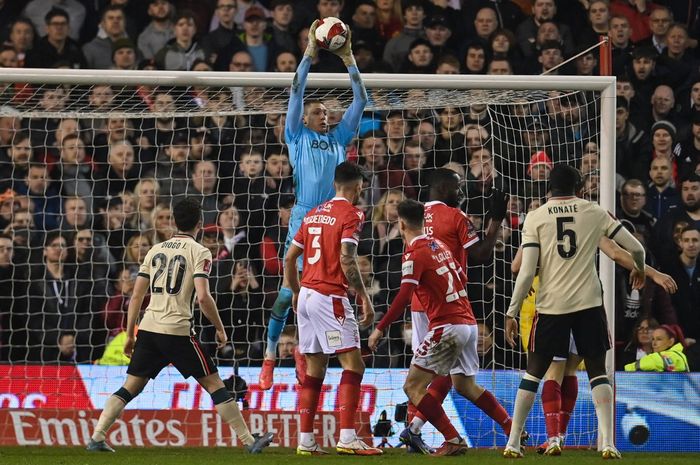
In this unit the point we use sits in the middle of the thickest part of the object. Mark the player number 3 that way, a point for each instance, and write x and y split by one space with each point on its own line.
315 245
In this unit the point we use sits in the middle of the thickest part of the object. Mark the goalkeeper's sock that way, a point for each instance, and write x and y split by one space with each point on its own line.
280 312
569 393
227 408
308 403
113 408
491 407
551 405
439 388
432 410
348 398
602 394
523 404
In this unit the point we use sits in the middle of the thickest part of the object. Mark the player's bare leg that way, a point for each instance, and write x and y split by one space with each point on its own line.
278 318
227 408
603 399
349 398
537 366
487 402
308 403
113 409
416 388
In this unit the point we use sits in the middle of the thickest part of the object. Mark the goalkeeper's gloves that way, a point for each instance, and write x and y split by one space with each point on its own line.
312 47
499 205
345 52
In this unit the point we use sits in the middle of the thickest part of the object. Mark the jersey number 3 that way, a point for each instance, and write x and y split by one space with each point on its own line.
315 234
562 233
176 272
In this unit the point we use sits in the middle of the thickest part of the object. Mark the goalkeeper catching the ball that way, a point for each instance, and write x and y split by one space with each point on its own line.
314 151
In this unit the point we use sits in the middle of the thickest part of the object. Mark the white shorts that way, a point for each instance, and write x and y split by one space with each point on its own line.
326 323
572 349
448 350
419 328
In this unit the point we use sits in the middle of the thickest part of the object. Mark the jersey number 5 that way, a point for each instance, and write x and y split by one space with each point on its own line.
451 294
315 234
562 233
176 267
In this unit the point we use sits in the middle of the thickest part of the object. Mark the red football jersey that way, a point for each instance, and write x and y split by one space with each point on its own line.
323 230
429 264
452 227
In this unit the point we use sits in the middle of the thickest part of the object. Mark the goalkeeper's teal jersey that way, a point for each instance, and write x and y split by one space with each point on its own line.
313 155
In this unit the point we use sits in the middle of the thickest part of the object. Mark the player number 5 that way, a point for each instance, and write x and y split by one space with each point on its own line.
315 234
562 233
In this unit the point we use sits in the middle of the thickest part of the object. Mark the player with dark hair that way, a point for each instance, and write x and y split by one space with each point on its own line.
449 346
446 222
173 271
314 152
563 236
328 239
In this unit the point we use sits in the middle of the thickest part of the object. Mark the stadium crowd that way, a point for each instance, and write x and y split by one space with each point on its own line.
82 200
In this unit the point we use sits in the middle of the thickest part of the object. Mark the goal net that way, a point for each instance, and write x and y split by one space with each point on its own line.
92 162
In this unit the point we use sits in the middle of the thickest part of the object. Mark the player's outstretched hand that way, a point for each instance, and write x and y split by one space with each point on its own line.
637 279
374 339
345 52
129 346
511 331
498 206
367 317
312 46
665 281
221 338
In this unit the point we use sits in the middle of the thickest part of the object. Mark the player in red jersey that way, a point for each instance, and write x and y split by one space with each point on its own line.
446 222
449 347
328 239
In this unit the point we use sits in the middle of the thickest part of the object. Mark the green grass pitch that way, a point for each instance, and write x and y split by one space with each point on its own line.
275 456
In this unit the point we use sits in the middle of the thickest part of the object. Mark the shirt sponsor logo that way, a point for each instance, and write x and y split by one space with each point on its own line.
407 268
207 266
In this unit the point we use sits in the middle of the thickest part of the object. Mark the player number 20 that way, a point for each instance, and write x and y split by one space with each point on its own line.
450 272
315 234
176 273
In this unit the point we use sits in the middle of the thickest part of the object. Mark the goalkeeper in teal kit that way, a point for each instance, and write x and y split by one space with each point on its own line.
314 152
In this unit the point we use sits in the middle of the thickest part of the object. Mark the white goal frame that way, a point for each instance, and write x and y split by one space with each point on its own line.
603 84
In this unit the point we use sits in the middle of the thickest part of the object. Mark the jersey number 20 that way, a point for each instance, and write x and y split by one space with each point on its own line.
176 272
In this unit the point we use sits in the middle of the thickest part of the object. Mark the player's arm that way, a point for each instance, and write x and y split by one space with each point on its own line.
137 296
625 260
523 283
480 252
295 108
351 269
627 241
351 118
398 305
291 273
208 306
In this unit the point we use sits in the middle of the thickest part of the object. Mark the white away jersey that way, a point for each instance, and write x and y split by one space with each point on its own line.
567 231
171 267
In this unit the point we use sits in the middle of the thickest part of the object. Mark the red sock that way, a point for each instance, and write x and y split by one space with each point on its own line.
551 404
491 407
439 388
308 402
435 414
412 412
348 398
569 393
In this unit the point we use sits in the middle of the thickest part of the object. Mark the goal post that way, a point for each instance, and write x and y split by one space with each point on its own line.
254 103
